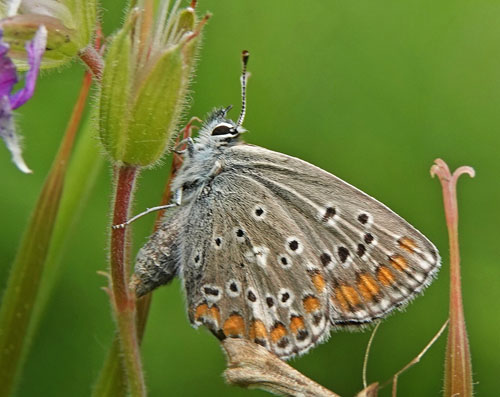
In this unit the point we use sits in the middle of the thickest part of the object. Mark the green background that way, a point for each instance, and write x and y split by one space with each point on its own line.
372 91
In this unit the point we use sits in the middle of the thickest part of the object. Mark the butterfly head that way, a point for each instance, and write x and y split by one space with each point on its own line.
218 126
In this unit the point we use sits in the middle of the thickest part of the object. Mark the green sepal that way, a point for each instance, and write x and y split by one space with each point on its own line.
142 97
156 108
113 96
84 13
186 25
186 21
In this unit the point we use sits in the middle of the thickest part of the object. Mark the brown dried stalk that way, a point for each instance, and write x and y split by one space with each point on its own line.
252 366
369 391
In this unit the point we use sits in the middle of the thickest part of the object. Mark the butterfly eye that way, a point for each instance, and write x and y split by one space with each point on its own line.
222 130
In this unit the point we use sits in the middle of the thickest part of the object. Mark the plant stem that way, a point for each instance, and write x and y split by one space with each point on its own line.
123 298
252 366
93 60
111 377
24 280
91 56
458 367
83 169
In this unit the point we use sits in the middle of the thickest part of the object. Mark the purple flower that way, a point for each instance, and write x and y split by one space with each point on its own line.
12 100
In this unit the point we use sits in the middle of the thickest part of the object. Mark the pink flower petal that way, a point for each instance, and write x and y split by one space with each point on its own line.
8 134
35 49
8 75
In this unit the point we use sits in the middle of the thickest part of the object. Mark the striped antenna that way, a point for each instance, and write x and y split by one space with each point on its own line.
244 77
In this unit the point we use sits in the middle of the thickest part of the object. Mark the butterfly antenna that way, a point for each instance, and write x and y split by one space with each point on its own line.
244 77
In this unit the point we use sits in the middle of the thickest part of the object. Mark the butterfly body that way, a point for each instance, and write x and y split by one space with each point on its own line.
275 250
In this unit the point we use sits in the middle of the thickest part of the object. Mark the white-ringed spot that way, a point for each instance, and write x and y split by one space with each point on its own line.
294 246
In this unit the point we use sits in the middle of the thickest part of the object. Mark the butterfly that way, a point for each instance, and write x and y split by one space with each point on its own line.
275 250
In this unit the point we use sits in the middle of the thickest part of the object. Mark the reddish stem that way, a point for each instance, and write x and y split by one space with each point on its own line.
91 57
123 298
458 368
126 176
198 28
74 121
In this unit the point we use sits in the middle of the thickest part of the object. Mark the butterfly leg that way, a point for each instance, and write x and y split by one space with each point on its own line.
180 144
176 203
189 143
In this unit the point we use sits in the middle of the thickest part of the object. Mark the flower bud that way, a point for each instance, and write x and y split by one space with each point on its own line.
144 82
70 26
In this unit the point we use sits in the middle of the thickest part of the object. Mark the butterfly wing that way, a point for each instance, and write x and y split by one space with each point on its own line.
277 250
374 260
246 281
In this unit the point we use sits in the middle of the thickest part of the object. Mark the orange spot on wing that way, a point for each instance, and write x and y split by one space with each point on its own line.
234 326
200 311
278 332
351 295
296 324
258 330
385 276
398 262
214 312
318 281
311 303
407 244
367 286
339 300
204 313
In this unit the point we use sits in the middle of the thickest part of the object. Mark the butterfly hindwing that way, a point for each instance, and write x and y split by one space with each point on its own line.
257 282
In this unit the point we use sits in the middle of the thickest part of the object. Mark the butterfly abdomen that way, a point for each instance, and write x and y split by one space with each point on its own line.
158 261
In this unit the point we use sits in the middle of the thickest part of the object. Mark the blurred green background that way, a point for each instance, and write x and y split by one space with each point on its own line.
372 91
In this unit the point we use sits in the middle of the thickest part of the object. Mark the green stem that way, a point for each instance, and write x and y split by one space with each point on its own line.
24 280
85 165
111 381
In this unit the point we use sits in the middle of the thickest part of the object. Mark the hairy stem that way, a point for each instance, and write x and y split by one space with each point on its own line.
123 298
458 368
93 60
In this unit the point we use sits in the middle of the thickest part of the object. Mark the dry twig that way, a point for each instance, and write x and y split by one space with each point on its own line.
252 366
